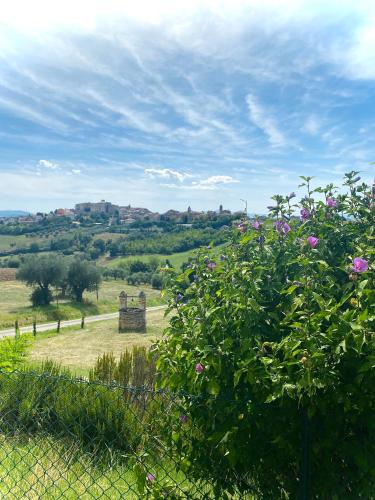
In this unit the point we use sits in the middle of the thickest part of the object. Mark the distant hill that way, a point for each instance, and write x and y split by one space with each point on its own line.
12 213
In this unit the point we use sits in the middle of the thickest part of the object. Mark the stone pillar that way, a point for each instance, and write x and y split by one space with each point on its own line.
123 300
142 300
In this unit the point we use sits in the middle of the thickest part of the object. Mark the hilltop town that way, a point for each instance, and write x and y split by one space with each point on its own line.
123 214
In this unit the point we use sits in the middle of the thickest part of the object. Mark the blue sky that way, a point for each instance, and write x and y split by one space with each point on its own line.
168 104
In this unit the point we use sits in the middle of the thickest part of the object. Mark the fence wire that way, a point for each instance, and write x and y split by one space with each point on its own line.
67 438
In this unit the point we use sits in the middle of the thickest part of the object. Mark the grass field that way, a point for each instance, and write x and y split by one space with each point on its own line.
79 349
15 303
8 242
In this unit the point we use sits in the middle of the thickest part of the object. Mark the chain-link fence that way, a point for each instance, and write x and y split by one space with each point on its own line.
69 438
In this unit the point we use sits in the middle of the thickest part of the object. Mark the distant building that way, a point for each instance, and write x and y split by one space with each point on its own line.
103 207
60 212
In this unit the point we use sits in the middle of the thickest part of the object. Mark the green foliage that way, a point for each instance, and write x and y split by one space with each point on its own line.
157 281
82 275
279 327
13 351
178 240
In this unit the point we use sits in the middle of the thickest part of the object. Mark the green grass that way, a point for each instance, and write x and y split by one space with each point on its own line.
79 349
15 303
42 467
8 242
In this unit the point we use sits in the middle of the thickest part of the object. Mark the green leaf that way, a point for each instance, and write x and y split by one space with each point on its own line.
213 387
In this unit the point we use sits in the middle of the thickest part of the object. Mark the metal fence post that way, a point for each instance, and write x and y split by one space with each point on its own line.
306 451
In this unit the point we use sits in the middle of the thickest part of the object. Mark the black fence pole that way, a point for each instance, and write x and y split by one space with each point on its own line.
306 451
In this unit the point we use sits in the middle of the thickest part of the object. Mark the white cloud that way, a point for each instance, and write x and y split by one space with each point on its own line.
166 173
357 59
48 164
261 119
208 184
76 171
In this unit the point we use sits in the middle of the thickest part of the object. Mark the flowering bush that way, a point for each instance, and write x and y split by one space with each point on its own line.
277 332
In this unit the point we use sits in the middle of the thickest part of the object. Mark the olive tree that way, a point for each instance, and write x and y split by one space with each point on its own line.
82 275
42 272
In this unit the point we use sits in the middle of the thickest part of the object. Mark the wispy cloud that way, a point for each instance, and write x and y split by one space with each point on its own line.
194 94
214 181
262 119
312 125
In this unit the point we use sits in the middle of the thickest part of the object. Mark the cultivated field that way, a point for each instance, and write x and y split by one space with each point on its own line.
15 303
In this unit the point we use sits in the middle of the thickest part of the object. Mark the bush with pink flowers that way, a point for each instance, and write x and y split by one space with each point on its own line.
275 335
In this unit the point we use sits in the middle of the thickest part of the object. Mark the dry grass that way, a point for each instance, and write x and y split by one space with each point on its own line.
7 274
79 349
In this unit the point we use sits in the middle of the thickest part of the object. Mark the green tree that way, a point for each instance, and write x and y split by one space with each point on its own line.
100 245
34 248
42 272
83 275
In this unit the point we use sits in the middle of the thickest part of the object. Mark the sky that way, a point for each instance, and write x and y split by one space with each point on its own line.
165 104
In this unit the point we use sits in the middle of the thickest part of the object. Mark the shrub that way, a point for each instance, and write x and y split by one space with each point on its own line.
277 337
13 351
157 281
135 367
96 416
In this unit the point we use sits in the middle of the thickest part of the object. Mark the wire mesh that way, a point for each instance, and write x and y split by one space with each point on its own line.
68 438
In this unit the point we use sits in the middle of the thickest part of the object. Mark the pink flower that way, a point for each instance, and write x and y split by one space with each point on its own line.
312 241
257 224
242 227
331 202
183 419
199 368
211 266
282 227
150 477
359 265
305 214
